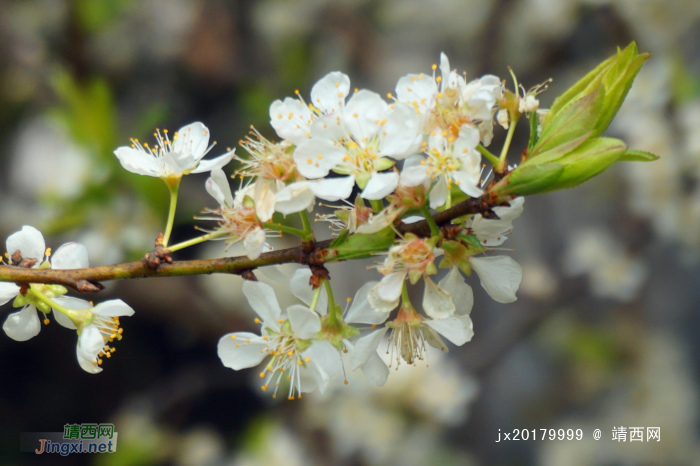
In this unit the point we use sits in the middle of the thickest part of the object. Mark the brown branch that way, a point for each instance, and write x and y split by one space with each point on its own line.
88 280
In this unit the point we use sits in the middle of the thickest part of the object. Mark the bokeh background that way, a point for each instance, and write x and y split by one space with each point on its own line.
605 330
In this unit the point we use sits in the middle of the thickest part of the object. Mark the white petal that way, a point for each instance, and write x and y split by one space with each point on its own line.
438 195
316 157
90 343
399 133
138 161
468 139
294 198
69 303
215 163
70 256
240 354
326 361
467 183
192 139
457 329
264 201
361 312
333 189
301 288
305 323
436 302
500 276
366 346
329 93
419 90
22 325
379 221
413 173
254 243
263 300
380 185
7 292
113 308
273 273
86 364
217 186
376 371
460 292
30 243
291 120
389 289
363 114
328 127
380 305
412 219
444 70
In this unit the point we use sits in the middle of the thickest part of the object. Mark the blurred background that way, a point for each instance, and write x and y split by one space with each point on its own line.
605 330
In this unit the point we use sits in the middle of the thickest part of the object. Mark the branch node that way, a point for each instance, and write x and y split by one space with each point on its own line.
248 275
85 286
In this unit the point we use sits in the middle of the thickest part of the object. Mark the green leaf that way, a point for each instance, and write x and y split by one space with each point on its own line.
558 152
572 122
584 86
631 155
618 82
528 180
362 246
588 160
342 237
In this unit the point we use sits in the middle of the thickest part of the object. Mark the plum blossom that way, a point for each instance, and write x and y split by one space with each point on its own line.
28 247
242 217
97 327
492 231
172 158
412 257
448 102
449 160
292 118
369 132
410 331
287 340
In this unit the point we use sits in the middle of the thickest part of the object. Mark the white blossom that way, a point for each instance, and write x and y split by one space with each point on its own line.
25 323
288 340
172 158
448 161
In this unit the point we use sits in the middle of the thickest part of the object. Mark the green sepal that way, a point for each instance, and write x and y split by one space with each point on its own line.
383 163
343 215
455 254
414 276
342 237
248 202
471 241
362 246
632 155
43 307
21 301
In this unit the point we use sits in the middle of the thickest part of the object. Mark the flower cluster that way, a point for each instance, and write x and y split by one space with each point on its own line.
97 326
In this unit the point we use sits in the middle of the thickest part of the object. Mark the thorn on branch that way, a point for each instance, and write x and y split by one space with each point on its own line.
85 286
